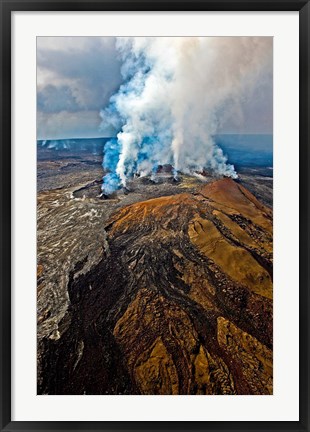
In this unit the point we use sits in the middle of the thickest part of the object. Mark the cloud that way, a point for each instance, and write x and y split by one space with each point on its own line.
52 99
75 74
64 124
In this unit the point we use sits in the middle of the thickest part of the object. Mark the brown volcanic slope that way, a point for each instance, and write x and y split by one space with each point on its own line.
180 303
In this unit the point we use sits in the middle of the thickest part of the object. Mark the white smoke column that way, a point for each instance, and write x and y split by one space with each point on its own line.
209 73
175 89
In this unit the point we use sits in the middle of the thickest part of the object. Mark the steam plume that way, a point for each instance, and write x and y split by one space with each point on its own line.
170 105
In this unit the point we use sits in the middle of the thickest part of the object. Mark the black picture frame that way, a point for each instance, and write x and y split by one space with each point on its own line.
7 7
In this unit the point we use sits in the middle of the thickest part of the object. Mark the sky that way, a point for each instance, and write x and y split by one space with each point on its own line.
77 76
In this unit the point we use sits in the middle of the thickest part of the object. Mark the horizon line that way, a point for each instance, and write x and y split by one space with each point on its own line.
110 137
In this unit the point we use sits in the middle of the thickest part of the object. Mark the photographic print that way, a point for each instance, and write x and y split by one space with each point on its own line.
154 215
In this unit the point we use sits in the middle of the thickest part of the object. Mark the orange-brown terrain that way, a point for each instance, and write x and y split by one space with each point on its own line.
172 295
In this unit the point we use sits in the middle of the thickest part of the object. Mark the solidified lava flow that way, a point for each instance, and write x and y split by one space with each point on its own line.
173 296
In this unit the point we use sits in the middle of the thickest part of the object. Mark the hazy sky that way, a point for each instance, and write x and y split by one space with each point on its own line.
76 76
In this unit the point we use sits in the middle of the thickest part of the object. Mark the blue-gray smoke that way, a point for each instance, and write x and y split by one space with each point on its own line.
110 159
